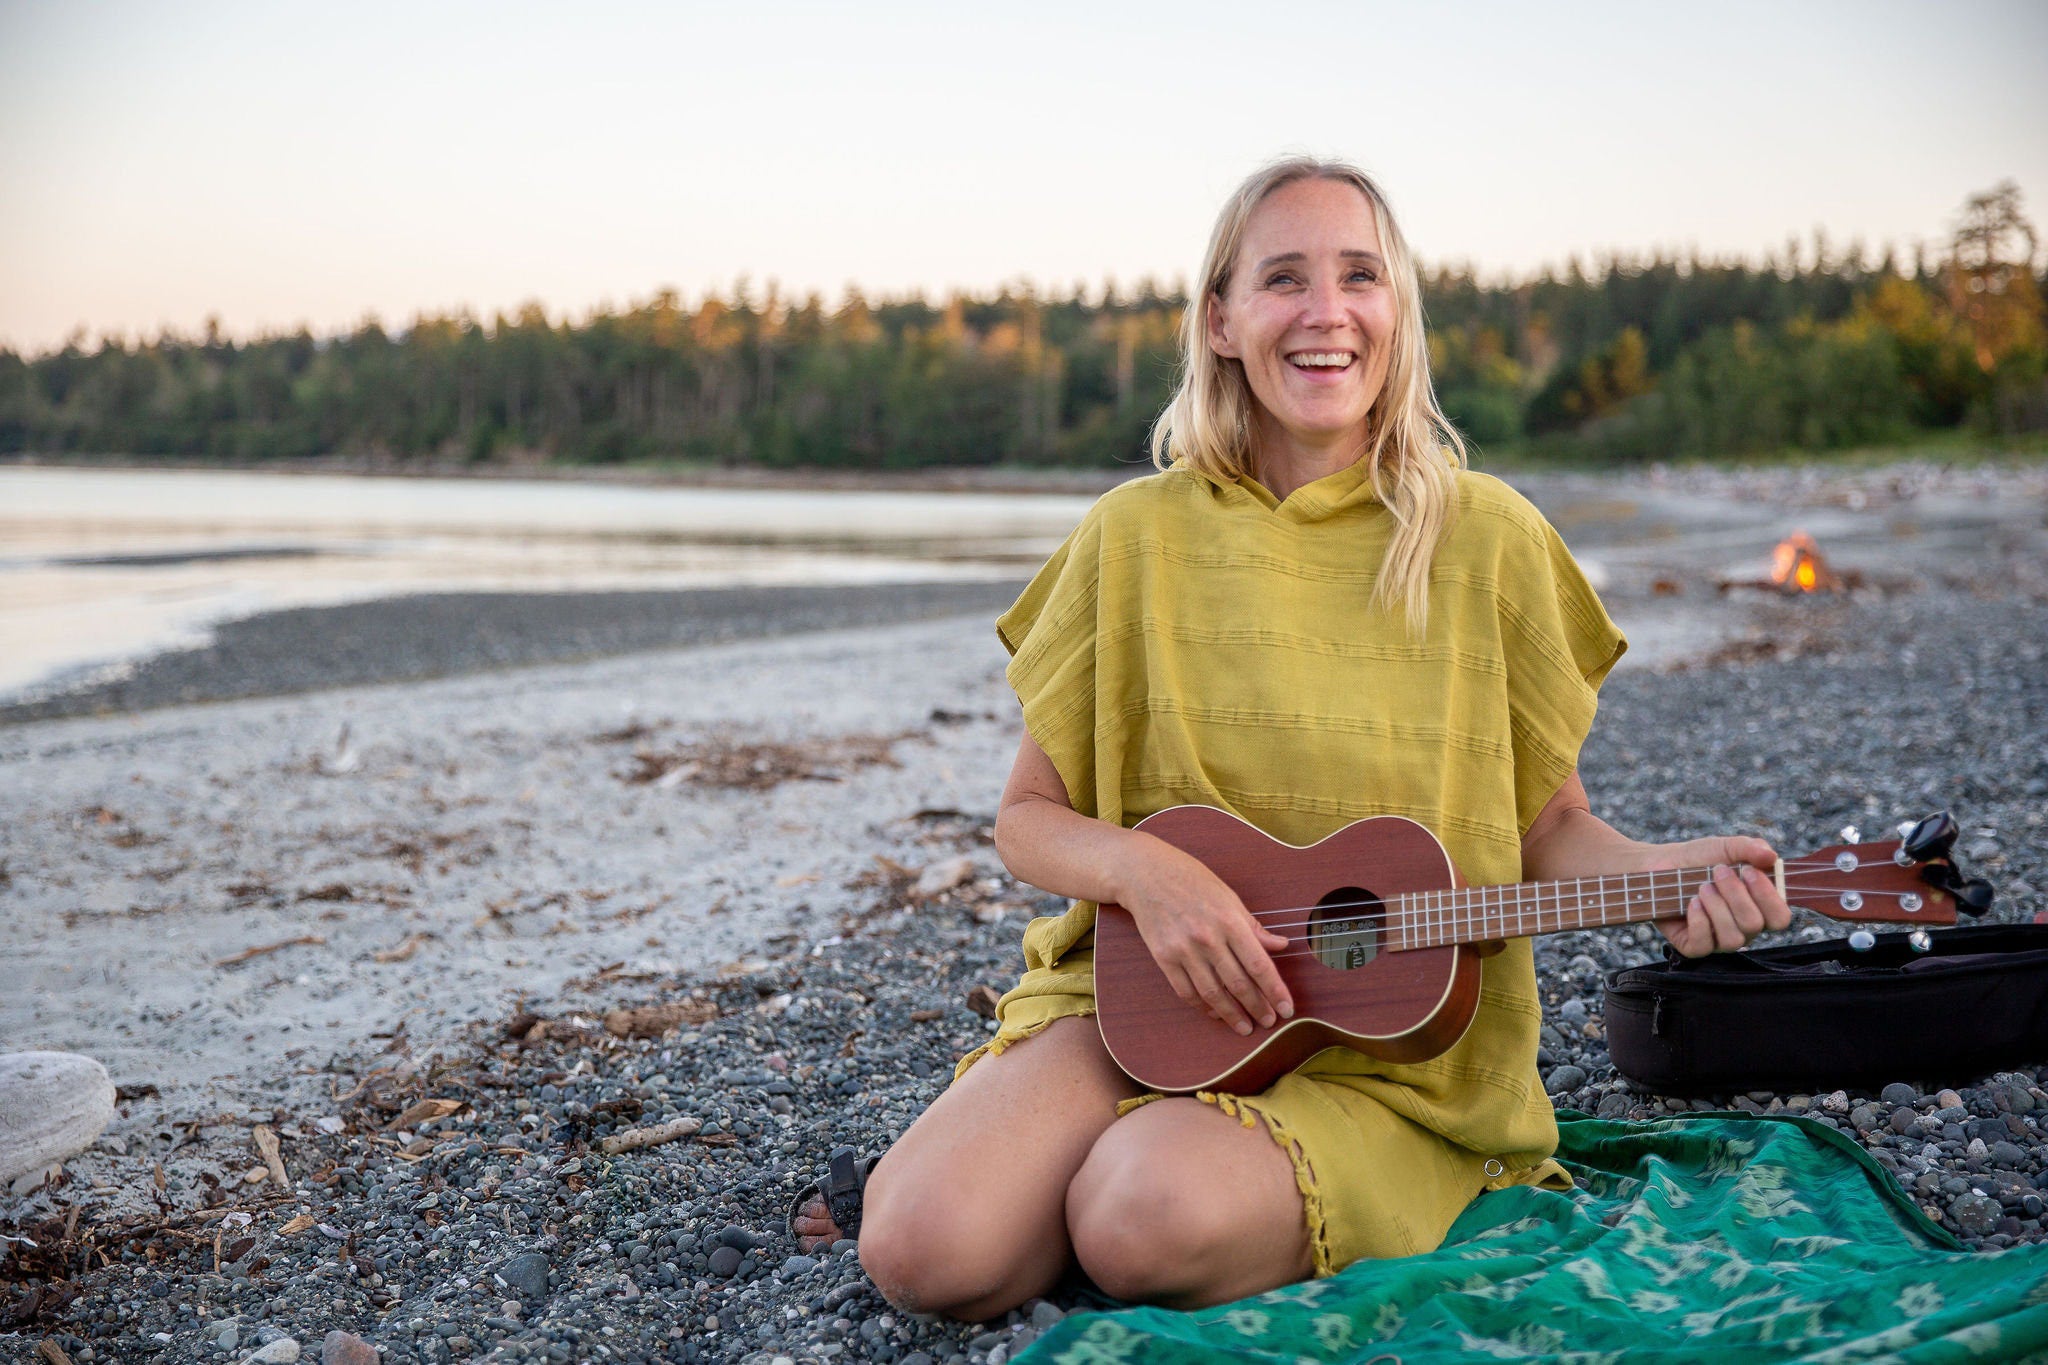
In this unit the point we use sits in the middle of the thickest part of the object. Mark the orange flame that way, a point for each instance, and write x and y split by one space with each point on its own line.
1797 566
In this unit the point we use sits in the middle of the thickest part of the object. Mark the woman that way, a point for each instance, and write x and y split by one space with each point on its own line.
1313 615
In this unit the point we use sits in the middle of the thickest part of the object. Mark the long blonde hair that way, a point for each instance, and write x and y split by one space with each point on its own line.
1414 451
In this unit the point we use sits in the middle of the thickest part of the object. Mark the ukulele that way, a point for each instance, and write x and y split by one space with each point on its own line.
1385 939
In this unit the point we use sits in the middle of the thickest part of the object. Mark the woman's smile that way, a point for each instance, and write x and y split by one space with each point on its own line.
1322 362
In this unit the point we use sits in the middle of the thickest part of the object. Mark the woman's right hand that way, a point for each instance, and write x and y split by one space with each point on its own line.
1214 953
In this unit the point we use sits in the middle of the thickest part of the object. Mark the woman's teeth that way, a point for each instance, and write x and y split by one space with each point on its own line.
1320 360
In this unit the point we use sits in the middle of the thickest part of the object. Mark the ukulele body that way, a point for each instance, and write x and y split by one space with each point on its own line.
1350 987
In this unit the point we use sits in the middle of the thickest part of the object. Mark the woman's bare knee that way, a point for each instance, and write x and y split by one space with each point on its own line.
1134 1228
941 1261
1179 1204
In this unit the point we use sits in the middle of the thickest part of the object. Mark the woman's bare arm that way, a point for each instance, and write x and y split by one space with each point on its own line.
1567 840
1199 932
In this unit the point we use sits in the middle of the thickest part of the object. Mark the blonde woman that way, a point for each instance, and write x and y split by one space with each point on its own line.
1313 614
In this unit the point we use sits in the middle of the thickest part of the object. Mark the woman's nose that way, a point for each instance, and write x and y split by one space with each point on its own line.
1324 305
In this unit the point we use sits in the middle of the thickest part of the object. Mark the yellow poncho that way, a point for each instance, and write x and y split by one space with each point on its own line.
1196 641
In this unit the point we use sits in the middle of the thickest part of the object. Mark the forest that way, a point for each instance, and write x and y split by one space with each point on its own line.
1621 359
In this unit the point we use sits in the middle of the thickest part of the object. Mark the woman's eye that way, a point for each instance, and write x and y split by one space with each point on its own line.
1283 278
1365 276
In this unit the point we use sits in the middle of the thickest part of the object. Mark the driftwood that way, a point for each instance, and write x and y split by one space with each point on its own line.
635 1138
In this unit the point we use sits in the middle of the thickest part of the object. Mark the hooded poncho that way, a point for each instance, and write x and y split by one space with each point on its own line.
1196 641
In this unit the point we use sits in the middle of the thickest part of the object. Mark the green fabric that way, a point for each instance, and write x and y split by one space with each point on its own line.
1716 1237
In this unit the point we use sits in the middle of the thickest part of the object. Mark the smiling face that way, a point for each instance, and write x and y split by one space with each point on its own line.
1309 312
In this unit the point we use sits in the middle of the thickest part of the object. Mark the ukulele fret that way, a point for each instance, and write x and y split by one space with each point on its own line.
1477 914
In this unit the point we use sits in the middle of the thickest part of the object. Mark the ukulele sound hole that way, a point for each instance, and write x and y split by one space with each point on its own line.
1344 928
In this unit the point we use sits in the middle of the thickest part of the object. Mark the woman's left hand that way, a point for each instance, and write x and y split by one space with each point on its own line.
1738 903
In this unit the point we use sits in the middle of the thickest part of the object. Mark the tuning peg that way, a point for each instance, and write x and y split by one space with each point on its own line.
1851 835
1974 897
1931 838
1862 940
1920 941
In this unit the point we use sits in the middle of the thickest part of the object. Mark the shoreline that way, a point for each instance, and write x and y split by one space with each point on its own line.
937 479
422 636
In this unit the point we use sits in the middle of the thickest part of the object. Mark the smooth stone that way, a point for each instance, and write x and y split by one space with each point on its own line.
346 1348
1948 1099
1045 1315
1899 1093
1564 1078
1976 1214
733 1235
797 1265
2008 1155
57 1104
1904 1121
725 1261
283 1351
527 1275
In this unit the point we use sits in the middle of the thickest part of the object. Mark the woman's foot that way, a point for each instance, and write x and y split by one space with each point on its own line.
829 1211
815 1231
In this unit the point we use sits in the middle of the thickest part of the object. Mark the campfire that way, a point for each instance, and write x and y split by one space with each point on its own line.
1797 569
1797 566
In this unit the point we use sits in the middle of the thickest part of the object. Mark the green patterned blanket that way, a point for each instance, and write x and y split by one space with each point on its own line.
1719 1236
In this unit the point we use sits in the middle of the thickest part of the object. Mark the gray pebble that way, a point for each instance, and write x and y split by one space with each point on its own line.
1899 1093
526 1275
1565 1078
1976 1214
725 1261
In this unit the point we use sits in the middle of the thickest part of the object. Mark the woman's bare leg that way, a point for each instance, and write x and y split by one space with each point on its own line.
966 1215
1180 1204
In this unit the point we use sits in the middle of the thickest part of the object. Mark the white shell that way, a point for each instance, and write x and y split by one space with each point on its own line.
52 1105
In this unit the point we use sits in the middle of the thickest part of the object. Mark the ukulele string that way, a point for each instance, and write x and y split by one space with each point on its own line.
1430 916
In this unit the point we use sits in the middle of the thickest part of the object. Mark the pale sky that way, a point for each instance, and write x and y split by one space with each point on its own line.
281 163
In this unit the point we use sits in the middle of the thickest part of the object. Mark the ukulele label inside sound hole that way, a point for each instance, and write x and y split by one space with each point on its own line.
1344 930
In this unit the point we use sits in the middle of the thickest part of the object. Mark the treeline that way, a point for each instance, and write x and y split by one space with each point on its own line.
1630 359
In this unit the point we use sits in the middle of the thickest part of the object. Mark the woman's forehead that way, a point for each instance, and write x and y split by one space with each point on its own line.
1313 216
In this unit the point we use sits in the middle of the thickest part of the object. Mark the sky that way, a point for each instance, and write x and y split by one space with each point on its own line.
282 163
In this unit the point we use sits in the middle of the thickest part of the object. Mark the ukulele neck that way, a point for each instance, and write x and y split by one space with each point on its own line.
1478 914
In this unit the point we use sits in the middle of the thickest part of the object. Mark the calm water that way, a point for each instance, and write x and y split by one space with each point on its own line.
101 567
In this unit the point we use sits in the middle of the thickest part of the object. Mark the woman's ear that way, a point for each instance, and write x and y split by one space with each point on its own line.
1217 324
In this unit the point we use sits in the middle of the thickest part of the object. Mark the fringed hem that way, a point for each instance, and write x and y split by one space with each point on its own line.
1243 1110
1007 1037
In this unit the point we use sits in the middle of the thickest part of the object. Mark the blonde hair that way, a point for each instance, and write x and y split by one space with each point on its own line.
1413 449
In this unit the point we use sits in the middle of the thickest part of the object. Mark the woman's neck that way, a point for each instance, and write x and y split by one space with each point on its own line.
1283 465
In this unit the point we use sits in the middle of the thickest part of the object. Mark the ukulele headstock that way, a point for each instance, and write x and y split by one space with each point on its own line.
1912 879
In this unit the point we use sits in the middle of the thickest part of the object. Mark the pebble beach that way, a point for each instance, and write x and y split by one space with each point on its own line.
550 976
